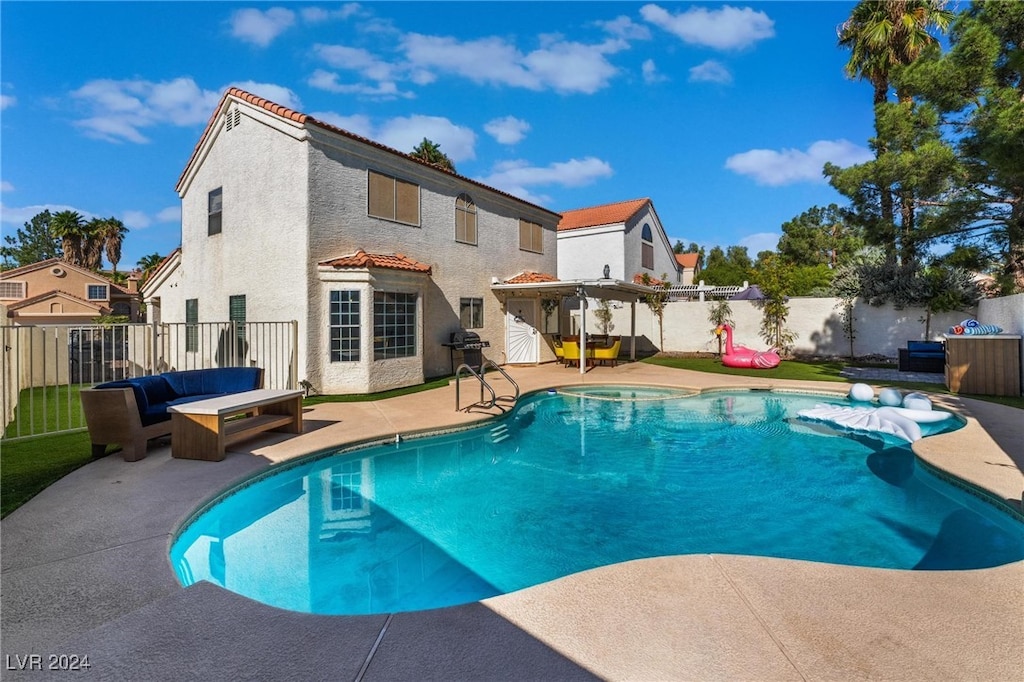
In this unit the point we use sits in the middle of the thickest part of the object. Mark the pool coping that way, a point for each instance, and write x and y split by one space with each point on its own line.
104 584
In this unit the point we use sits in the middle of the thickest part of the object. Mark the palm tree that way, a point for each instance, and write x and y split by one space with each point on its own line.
149 263
431 153
92 244
111 232
69 227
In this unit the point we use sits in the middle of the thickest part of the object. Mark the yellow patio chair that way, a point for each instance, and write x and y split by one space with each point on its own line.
559 349
608 353
571 352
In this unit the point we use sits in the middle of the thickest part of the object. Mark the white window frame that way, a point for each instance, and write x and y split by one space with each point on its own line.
90 297
5 284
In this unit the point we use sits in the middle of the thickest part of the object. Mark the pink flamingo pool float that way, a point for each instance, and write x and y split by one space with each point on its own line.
741 356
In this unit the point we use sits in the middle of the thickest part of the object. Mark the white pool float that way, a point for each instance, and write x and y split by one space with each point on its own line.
901 422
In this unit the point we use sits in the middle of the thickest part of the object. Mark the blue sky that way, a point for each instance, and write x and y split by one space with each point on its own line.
722 114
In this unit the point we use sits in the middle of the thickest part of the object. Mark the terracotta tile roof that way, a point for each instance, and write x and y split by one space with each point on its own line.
306 120
361 259
687 260
531 278
638 278
607 214
56 293
50 262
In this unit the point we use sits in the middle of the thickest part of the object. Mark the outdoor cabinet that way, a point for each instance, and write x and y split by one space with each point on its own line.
984 364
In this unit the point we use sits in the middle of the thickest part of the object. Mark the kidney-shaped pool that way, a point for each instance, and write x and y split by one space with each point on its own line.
572 481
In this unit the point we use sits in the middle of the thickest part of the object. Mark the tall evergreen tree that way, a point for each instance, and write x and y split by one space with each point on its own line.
31 244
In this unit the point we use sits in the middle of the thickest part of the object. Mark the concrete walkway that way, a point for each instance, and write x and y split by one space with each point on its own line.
85 572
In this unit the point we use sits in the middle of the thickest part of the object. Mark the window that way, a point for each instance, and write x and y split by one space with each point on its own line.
236 314
346 486
647 248
471 313
191 325
393 199
122 309
394 325
344 326
465 220
531 236
96 292
215 205
10 289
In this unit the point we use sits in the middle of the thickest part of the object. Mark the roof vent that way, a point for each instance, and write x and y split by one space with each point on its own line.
58 271
232 118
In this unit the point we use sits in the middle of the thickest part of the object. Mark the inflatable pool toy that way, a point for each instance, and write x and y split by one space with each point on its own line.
741 356
890 397
901 422
862 393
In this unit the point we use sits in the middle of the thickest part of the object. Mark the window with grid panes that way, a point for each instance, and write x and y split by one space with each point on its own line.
12 289
192 325
344 325
346 486
96 292
531 236
465 220
393 199
394 325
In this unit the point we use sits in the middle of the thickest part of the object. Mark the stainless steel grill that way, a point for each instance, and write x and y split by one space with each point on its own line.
470 345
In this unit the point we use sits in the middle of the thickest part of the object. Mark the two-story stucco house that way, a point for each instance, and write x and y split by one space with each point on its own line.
56 292
627 236
378 256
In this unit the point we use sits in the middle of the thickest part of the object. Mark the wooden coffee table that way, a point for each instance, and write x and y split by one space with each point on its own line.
200 430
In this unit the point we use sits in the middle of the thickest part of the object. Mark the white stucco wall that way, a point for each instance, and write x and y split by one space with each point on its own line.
262 250
583 253
664 259
339 225
878 331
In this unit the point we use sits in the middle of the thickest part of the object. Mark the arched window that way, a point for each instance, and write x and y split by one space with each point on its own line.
465 220
647 248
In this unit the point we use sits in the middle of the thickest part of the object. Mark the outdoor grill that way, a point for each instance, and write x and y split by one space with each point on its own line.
470 346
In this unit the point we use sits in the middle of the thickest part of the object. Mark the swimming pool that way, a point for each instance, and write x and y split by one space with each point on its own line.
571 482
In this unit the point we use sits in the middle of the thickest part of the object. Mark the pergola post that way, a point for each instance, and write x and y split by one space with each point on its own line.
583 330
632 331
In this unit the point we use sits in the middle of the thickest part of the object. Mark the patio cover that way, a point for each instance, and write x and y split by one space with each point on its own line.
607 289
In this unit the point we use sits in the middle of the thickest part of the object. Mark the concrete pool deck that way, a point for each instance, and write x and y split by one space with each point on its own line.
85 572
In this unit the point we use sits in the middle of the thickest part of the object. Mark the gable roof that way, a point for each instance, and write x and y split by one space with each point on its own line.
54 293
687 260
307 120
531 278
60 262
606 214
361 259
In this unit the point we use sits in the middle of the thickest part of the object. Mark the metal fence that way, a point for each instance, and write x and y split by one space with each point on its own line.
44 367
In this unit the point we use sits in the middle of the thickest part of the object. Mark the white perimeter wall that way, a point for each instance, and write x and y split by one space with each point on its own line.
816 321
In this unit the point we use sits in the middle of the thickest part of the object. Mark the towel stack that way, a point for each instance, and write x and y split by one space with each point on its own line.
973 328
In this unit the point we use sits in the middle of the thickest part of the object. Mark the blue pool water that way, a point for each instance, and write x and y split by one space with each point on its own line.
572 482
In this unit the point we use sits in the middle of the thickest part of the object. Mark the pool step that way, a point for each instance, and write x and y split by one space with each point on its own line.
499 433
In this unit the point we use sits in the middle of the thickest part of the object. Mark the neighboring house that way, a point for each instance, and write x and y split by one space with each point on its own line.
55 292
627 237
688 265
378 256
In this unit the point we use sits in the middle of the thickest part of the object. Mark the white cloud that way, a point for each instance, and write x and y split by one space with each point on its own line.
405 132
515 177
625 28
563 66
760 241
19 215
358 124
7 101
171 214
728 28
315 15
6 186
710 72
356 59
278 94
775 168
507 130
136 220
260 28
383 90
651 73
120 109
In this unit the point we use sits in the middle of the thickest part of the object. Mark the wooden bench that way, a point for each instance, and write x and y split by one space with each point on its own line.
201 430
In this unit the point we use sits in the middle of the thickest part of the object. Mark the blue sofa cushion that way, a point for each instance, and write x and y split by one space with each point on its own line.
210 381
151 395
926 349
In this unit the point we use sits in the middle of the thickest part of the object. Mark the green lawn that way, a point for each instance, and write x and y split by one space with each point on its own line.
29 465
47 409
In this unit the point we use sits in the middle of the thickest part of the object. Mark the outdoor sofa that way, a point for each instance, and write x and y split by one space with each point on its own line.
923 356
132 411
